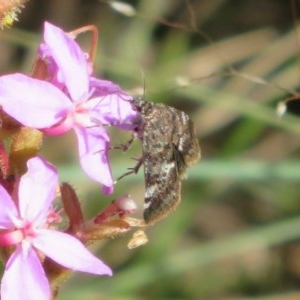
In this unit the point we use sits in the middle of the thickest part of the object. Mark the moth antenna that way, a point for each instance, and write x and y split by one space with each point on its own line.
144 84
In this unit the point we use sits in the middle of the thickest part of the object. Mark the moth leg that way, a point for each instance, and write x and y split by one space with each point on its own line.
133 170
127 145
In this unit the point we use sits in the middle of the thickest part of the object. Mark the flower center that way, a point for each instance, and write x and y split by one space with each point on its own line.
25 232
82 115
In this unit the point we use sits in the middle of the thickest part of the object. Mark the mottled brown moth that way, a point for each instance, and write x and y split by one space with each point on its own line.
169 147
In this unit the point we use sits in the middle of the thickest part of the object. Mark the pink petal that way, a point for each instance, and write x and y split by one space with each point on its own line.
32 102
111 103
104 87
70 59
93 144
99 110
8 209
37 189
121 109
69 252
24 277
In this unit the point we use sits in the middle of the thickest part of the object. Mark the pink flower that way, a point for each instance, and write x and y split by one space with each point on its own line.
72 99
27 227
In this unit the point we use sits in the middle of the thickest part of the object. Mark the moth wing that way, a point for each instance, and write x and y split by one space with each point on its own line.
162 185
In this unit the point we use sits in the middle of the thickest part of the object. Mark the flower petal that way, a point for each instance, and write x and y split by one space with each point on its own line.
69 252
111 103
121 111
112 110
24 277
8 209
37 189
93 144
104 87
32 102
70 59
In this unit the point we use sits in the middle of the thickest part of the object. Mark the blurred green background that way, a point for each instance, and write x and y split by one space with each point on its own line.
236 234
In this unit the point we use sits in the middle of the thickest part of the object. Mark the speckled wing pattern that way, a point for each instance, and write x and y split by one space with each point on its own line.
169 146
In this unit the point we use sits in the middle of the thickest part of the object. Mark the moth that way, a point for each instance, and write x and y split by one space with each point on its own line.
169 146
